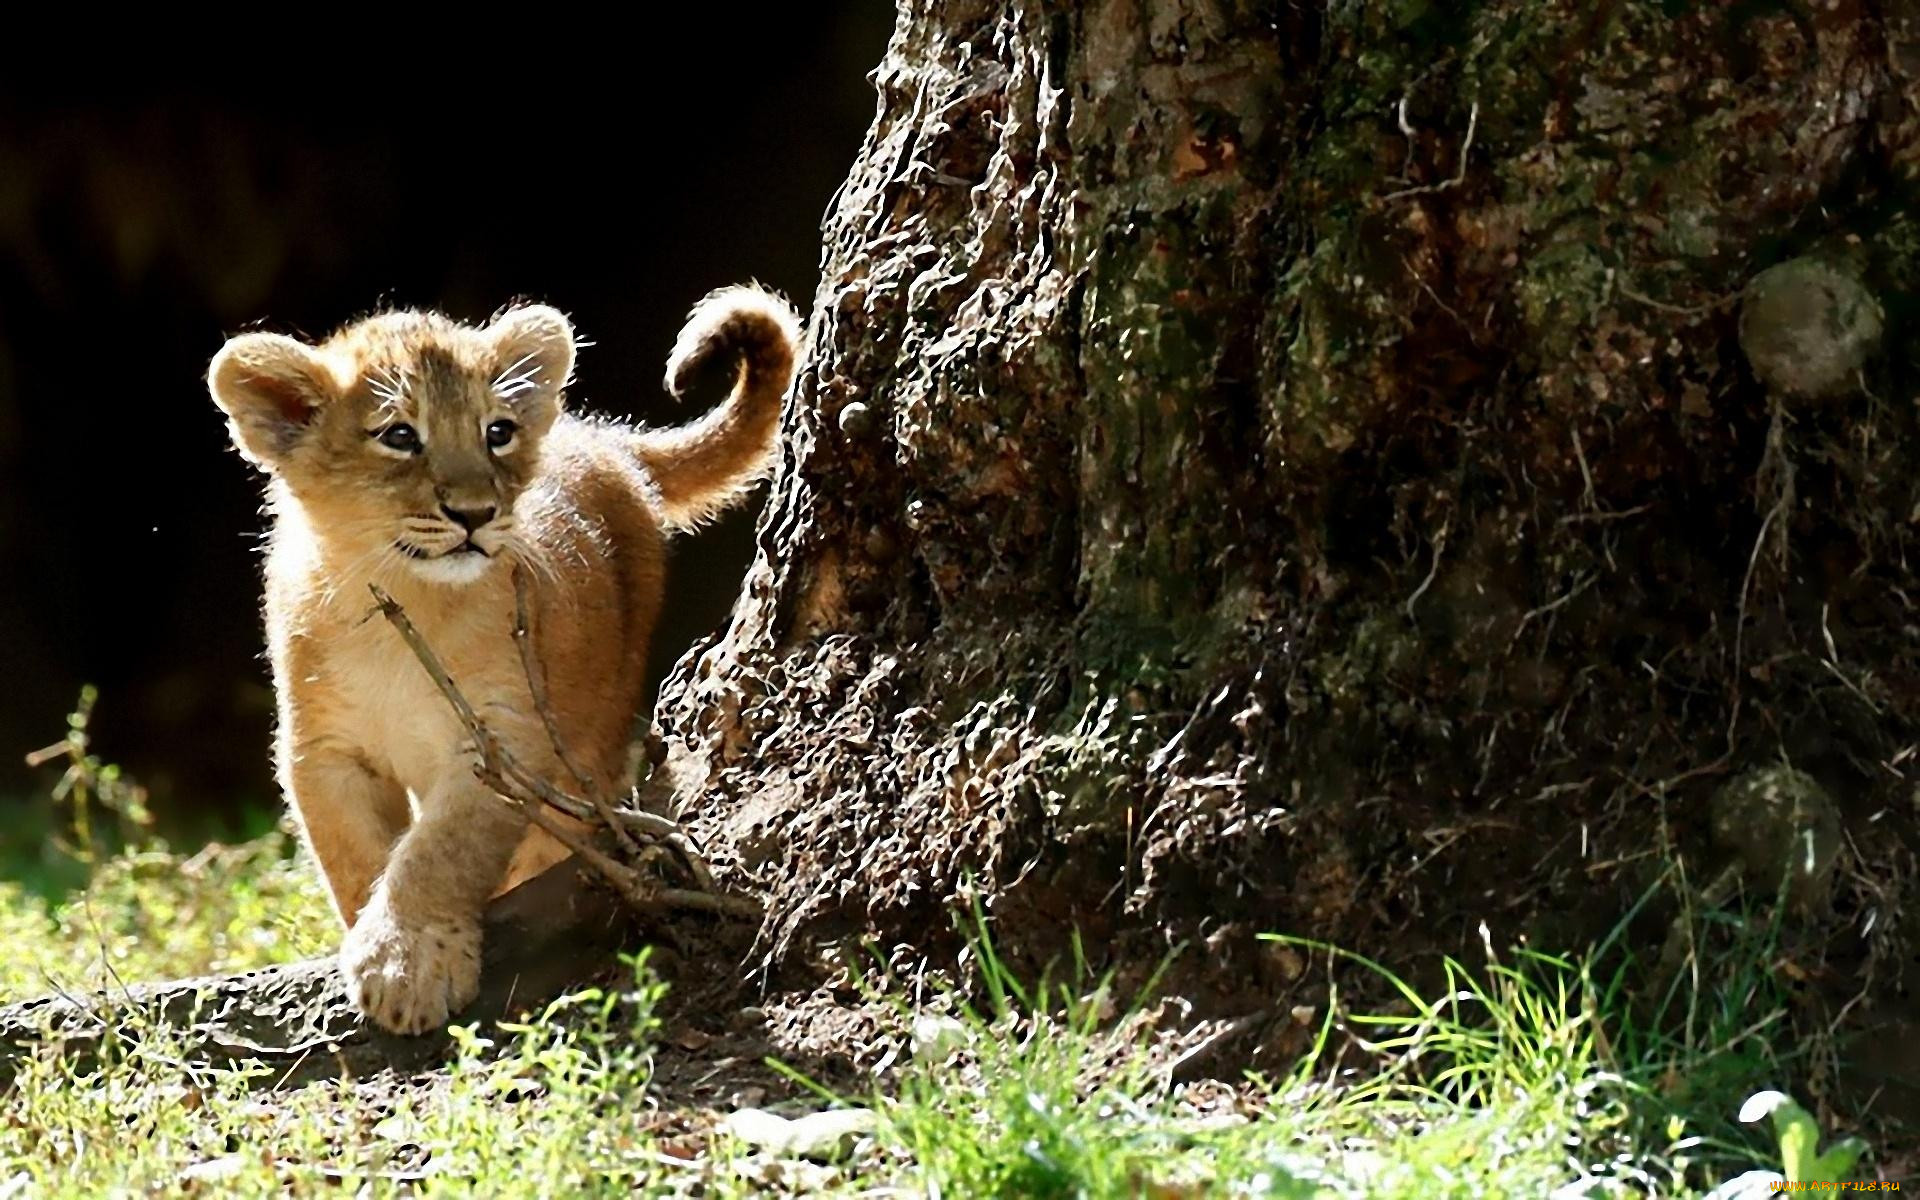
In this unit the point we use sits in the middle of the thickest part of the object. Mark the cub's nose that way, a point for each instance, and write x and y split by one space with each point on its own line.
469 519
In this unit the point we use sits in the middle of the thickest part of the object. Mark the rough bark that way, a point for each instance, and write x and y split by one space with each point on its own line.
1338 469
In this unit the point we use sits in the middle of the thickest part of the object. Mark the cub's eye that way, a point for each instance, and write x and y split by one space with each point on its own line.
500 434
402 437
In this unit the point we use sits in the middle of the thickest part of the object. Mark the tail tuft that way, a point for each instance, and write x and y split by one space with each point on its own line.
746 320
702 468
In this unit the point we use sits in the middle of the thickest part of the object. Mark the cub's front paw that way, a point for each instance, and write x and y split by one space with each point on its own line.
410 977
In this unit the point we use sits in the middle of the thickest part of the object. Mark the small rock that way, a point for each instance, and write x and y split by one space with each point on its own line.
758 1127
822 1136
1808 325
857 419
1780 823
935 1039
214 1170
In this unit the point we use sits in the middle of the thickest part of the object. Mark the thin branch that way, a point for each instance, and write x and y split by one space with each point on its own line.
1680 310
1459 176
514 784
537 685
1439 548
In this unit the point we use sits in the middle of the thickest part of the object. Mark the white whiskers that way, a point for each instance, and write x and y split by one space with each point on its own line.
388 384
512 381
372 566
536 556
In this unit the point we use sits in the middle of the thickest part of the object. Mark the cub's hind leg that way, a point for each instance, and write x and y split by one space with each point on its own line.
350 817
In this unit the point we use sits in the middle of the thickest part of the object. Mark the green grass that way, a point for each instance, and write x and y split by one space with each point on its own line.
149 913
548 1108
1509 1079
1518 1079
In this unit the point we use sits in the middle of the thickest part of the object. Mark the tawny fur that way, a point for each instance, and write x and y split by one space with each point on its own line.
372 760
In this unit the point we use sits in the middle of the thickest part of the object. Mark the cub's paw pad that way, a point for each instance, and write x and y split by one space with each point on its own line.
411 978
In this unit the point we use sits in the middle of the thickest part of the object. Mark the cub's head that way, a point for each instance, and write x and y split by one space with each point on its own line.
406 438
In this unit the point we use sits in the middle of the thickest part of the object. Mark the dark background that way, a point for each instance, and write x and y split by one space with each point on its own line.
137 231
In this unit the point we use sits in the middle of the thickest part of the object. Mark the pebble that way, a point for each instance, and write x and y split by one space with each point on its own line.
822 1136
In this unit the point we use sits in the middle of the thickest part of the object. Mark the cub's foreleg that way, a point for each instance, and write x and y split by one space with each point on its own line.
413 958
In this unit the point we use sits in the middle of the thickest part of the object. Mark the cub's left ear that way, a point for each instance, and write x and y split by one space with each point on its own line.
532 358
271 389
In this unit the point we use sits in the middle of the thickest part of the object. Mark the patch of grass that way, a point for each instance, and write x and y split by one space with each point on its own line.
148 913
92 898
1510 1082
1498 1088
1514 1077
93 811
1033 1096
549 1107
1520 1077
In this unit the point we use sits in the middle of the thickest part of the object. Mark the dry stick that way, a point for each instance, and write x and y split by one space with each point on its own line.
496 762
507 774
658 828
537 685
499 770
1459 176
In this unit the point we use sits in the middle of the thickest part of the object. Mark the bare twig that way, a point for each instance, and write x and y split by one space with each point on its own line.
1460 175
1774 513
1553 606
530 794
537 685
1439 548
1682 310
1832 664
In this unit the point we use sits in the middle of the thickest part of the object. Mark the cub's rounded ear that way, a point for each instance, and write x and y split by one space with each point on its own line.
271 388
532 358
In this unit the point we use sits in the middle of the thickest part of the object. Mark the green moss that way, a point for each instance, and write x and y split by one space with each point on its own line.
1560 292
1151 353
1808 325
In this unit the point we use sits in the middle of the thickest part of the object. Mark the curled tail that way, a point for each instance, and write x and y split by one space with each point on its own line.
703 467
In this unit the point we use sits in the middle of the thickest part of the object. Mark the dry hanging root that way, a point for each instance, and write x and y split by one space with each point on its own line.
657 846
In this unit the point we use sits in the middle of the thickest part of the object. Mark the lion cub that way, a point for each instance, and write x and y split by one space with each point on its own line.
429 457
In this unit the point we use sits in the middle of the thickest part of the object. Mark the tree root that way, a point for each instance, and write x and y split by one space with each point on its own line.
551 933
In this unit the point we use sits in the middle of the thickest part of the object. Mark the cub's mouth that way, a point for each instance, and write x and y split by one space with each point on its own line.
464 548
455 566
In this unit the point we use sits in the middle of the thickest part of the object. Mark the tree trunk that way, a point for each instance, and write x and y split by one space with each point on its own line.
1358 470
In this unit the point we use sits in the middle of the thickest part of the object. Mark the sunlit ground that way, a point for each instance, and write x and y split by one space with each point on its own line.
1514 1082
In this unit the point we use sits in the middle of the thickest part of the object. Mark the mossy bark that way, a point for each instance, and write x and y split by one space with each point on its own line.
1295 467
